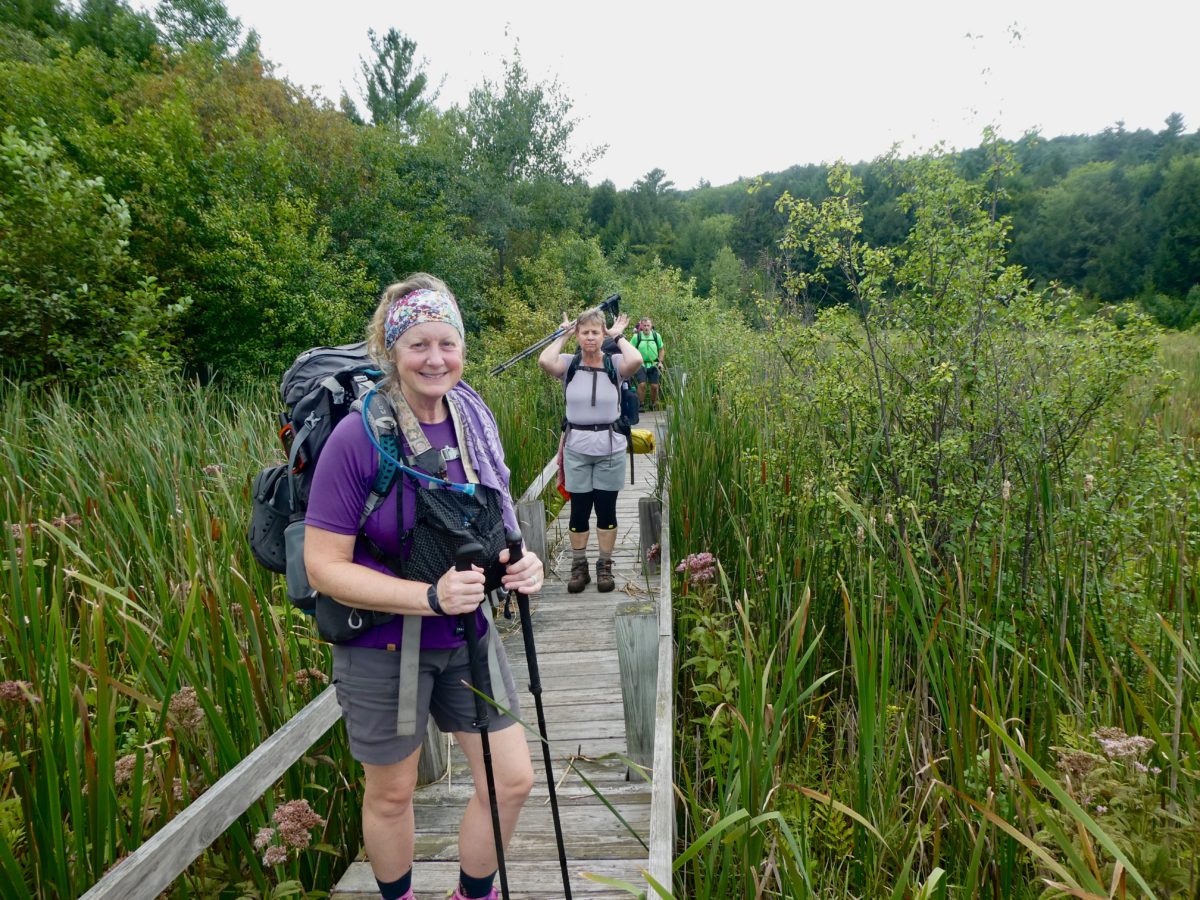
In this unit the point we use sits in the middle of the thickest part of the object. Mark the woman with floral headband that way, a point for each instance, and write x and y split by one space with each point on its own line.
416 337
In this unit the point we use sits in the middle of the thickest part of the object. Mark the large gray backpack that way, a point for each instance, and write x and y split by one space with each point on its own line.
318 390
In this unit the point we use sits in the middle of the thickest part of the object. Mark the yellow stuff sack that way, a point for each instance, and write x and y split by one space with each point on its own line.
641 440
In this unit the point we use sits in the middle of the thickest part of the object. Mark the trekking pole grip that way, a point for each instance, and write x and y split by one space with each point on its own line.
465 556
512 537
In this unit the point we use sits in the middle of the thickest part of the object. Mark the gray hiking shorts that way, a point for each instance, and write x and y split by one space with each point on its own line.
368 687
583 472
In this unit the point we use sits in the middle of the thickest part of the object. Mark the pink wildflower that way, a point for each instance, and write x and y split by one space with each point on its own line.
263 839
185 709
699 567
654 553
67 520
214 469
123 770
304 676
295 818
18 692
275 856
1117 745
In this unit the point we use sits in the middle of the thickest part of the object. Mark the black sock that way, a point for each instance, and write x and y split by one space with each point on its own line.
475 887
394 890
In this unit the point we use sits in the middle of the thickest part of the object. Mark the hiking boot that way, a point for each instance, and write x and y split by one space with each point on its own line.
579 576
604 576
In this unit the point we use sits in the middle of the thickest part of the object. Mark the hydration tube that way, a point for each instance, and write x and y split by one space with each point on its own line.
468 489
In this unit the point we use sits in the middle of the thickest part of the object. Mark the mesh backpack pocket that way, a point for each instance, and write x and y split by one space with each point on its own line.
270 512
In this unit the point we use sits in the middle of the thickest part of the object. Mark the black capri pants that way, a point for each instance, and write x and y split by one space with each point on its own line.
605 504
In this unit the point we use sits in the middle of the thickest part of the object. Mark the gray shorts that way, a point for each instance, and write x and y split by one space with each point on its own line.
368 686
583 472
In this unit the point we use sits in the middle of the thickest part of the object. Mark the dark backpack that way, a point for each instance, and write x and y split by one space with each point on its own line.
318 391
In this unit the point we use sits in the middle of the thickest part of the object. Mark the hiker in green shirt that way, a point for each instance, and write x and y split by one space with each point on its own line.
649 343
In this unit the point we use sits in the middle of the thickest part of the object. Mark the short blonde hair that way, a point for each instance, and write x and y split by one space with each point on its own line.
590 317
376 327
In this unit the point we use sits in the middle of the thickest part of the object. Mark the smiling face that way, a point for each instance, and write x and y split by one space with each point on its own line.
429 361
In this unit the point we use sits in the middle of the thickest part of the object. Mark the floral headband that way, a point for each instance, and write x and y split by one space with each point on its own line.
417 307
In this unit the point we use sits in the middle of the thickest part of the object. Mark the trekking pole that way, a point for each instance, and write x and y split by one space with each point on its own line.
513 538
610 304
464 557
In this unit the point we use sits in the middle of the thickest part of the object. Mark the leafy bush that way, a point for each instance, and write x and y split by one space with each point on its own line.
71 300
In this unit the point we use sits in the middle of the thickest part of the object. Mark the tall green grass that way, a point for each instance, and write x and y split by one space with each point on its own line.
924 737
126 578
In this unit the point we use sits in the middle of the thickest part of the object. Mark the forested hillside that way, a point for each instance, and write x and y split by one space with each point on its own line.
1114 215
167 201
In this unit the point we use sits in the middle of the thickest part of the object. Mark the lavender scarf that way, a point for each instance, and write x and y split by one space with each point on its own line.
484 447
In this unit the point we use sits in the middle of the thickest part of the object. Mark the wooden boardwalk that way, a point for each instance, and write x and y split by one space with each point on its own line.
581 693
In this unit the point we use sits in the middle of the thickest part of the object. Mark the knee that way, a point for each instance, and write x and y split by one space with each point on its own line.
392 800
514 784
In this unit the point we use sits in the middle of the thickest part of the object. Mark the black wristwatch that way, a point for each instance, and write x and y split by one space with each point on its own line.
434 603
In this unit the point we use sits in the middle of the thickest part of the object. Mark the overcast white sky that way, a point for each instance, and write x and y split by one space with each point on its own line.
744 87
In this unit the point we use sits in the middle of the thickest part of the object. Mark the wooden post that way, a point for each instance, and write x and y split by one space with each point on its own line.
531 516
637 657
650 531
431 767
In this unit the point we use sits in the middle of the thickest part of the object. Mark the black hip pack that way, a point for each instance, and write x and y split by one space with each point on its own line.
443 521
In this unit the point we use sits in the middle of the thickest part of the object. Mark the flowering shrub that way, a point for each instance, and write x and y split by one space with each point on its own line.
700 567
294 821
1111 775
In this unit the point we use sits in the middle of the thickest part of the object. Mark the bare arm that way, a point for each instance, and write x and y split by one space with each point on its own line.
631 359
550 358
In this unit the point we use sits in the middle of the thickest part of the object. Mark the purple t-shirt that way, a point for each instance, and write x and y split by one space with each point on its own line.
340 487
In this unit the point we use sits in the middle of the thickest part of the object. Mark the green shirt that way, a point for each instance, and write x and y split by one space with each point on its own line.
648 345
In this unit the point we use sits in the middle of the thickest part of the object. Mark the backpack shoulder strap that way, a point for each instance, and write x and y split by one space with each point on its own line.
383 424
573 365
657 339
610 368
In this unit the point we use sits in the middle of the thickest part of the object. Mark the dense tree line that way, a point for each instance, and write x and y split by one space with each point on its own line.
167 201
1115 216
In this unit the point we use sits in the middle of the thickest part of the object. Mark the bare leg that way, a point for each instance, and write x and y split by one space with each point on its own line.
607 539
388 823
642 394
514 780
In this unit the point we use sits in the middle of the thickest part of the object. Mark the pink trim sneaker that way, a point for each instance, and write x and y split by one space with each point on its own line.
409 896
458 895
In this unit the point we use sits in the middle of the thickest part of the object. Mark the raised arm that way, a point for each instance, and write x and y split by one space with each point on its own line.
631 359
550 359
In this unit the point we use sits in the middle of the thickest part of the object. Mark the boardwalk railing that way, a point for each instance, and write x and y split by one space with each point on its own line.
154 866
662 796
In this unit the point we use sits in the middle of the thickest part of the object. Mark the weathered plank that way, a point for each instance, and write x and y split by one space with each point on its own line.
637 652
151 868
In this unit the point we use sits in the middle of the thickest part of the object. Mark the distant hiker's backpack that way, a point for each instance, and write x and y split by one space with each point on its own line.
317 391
